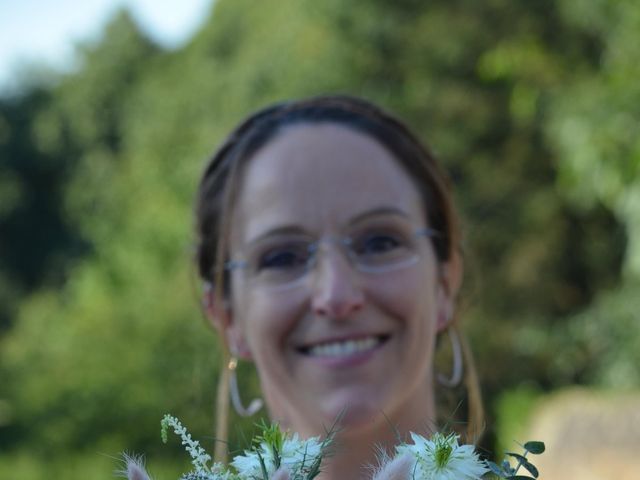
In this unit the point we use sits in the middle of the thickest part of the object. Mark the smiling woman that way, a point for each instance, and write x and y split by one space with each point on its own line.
329 240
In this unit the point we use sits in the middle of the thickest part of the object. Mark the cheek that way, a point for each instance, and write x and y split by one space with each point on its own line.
267 319
408 295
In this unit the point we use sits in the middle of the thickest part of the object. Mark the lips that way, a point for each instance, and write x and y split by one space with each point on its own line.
344 347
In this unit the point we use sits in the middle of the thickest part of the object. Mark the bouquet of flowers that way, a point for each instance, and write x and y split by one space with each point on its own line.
278 455
441 457
275 455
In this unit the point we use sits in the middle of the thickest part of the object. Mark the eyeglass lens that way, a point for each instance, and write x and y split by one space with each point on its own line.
283 262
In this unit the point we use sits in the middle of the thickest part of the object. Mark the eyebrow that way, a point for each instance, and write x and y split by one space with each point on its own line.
376 212
359 218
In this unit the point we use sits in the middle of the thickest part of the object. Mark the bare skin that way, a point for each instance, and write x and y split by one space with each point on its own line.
326 181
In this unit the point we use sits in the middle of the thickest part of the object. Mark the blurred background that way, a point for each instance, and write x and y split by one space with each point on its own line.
533 107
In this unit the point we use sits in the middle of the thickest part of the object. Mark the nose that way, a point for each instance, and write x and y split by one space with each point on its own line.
337 292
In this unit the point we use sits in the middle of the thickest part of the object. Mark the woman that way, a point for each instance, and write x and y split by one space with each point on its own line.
330 245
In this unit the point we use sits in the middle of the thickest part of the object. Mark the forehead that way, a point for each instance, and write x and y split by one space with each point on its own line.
319 176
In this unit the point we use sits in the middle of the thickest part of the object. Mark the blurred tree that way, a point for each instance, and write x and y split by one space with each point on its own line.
92 365
595 126
595 122
31 196
43 133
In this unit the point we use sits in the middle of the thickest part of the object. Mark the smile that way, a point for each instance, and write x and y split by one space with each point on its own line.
345 348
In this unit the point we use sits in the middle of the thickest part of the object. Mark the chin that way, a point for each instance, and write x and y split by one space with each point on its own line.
354 411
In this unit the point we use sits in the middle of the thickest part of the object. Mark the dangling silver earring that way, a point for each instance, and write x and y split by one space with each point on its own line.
255 405
456 351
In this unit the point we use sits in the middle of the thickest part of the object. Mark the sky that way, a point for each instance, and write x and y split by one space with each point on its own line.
45 31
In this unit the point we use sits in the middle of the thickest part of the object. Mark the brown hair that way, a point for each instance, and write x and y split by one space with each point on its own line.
221 182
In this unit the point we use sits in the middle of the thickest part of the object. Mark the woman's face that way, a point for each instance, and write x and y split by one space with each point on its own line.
333 339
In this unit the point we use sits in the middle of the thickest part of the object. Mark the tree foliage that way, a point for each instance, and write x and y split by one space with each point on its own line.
532 107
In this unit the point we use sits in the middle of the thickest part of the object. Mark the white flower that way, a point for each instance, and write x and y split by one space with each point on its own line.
299 456
199 458
441 458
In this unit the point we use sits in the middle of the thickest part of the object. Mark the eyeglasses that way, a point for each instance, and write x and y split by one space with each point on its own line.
284 262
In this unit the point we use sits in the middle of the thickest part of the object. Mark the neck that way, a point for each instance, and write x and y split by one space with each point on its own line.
354 458
356 450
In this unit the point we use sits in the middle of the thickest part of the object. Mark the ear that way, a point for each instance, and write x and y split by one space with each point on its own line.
220 315
449 286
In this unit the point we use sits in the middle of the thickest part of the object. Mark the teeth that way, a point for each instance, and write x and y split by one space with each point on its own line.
343 349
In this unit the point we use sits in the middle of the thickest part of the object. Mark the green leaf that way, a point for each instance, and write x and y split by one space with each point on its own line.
523 462
536 448
517 456
531 469
263 467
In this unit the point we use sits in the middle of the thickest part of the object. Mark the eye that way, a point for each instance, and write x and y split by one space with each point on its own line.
285 257
378 243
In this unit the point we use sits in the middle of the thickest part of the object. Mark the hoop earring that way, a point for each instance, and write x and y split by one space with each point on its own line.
456 374
255 405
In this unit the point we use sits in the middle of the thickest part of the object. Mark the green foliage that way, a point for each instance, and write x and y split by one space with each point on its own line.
595 117
602 349
273 437
513 409
31 180
95 465
532 106
506 470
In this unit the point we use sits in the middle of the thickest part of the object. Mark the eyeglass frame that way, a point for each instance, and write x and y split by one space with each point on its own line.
345 241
